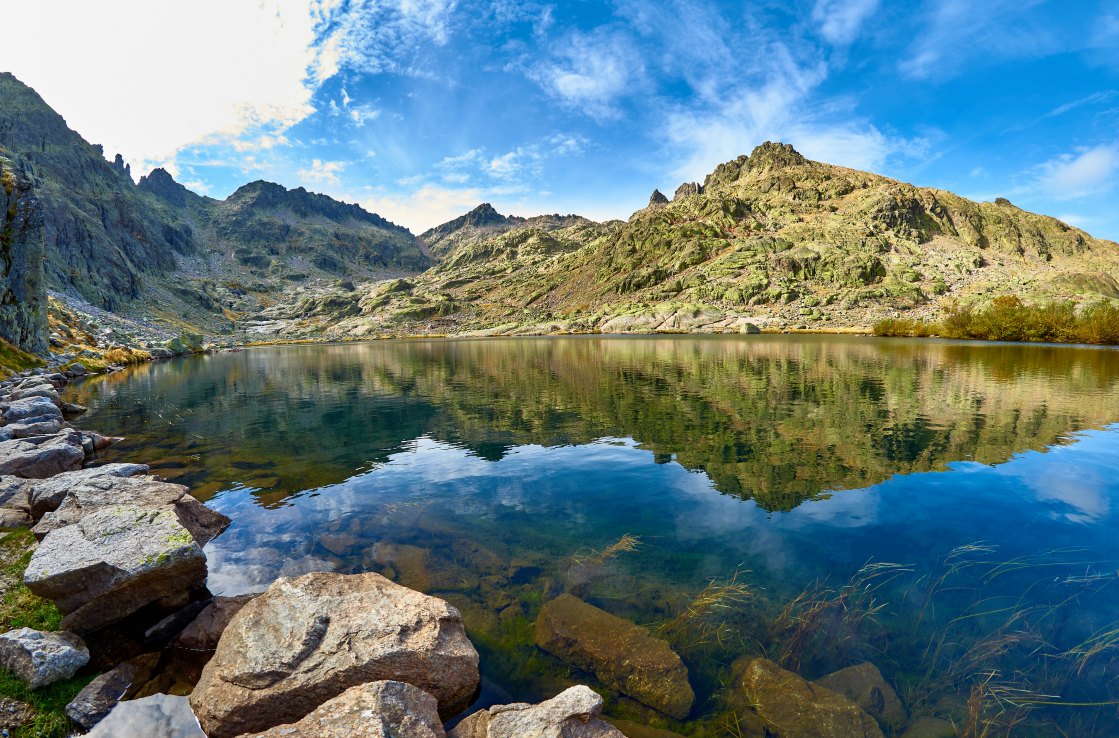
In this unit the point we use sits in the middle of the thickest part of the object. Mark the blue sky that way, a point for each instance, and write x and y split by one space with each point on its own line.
421 109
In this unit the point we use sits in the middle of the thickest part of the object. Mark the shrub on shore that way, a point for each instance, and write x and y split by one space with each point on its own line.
1009 319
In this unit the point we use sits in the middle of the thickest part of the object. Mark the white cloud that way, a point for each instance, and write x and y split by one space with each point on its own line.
591 72
1082 174
385 36
323 171
840 21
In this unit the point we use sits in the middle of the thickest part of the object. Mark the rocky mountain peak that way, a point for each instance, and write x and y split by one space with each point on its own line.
657 198
686 189
161 184
484 215
770 155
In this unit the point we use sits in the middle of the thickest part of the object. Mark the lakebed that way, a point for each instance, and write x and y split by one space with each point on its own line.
941 510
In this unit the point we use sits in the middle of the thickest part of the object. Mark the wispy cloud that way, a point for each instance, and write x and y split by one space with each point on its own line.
840 21
1082 174
591 72
326 172
382 36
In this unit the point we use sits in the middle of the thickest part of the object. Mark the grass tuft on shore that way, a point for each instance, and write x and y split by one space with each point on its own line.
1009 319
13 360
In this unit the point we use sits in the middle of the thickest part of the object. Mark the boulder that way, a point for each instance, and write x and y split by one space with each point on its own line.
49 494
571 714
15 714
31 407
100 491
622 655
40 658
36 427
373 710
15 503
795 708
113 562
205 630
99 697
308 639
77 370
46 390
73 409
930 727
863 684
42 456
156 716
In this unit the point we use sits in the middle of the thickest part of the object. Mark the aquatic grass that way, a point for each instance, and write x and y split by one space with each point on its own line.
705 619
586 565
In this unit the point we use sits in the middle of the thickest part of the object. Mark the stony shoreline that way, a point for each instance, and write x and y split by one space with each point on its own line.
119 553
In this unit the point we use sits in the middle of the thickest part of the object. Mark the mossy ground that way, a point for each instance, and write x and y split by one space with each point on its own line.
13 360
20 608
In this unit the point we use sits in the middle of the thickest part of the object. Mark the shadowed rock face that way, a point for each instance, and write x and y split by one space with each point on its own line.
23 297
622 655
308 639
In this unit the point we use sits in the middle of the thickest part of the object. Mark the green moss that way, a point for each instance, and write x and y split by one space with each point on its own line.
14 360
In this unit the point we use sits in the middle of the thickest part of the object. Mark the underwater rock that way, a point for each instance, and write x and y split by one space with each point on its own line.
372 710
622 655
113 562
795 708
38 457
863 684
47 495
40 658
930 727
307 639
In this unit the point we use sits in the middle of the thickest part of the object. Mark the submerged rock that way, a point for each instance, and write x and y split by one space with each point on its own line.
373 710
99 697
795 708
113 562
40 658
38 457
574 713
157 716
622 655
863 684
308 639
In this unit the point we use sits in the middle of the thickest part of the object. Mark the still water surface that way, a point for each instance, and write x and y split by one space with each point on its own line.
947 511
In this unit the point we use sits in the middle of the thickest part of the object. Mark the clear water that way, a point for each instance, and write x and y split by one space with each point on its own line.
947 511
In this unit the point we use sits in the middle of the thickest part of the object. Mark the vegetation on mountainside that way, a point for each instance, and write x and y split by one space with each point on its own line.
19 608
13 360
1007 318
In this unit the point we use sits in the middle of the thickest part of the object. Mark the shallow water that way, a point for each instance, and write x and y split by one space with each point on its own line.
494 473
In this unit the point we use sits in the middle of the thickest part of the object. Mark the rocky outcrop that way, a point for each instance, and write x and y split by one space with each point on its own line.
373 710
308 639
23 296
113 562
156 716
794 708
36 457
40 658
657 198
863 684
574 713
687 190
205 630
47 495
622 655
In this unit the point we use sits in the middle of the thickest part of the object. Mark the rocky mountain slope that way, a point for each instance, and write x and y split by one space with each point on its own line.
770 240
23 298
174 259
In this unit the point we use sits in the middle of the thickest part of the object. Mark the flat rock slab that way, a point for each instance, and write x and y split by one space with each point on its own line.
38 457
157 716
795 708
373 710
574 713
40 658
863 684
622 655
308 639
113 562
21 411
102 491
48 494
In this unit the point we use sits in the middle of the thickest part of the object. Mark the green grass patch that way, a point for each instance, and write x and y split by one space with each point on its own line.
14 360
1009 319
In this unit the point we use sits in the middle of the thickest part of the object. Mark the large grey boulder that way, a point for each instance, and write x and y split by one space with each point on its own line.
571 714
308 639
99 492
48 494
31 407
156 716
381 709
99 697
622 655
113 562
15 503
40 658
792 707
46 390
38 457
37 427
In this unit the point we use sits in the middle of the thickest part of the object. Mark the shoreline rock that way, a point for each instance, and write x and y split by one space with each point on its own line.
574 713
40 658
